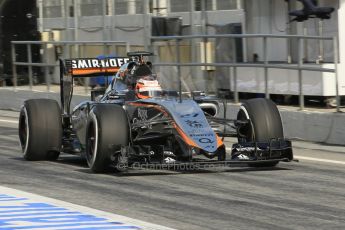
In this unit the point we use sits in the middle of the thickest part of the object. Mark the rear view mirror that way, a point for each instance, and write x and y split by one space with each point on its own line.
97 93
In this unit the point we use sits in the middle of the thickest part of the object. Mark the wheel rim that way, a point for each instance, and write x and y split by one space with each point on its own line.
92 141
247 131
90 144
24 131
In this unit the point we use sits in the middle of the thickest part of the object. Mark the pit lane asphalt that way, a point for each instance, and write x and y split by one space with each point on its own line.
305 195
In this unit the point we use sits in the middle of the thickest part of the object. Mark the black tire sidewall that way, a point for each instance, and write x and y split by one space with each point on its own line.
111 124
265 123
43 119
265 119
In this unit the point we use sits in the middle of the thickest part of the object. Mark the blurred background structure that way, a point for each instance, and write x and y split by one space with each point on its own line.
255 61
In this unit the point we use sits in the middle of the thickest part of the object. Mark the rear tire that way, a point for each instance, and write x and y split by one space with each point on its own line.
265 124
40 129
107 131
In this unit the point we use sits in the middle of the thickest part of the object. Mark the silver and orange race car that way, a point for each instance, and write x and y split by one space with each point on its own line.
134 121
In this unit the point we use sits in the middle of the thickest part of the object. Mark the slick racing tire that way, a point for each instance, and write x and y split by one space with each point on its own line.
265 124
40 129
107 130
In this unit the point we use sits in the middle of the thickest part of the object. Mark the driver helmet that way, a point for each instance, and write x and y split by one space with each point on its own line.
147 85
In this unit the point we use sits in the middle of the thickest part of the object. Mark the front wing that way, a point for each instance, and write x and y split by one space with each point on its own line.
275 149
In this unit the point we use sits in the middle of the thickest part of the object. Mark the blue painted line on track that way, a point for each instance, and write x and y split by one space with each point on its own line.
25 213
72 225
34 210
38 213
55 219
107 228
12 199
28 205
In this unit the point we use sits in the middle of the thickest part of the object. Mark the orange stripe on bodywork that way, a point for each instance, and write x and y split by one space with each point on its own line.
94 71
184 136
219 141
191 142
149 106
142 104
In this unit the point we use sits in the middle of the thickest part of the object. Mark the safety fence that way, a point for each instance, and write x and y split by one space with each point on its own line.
44 56
69 49
299 65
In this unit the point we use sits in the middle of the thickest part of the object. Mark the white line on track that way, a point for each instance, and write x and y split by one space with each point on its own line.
9 121
320 160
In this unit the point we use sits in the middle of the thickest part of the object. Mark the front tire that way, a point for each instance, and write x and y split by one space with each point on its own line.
265 124
107 131
40 129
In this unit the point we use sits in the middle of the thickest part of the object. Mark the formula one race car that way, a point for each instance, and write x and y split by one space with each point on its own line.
135 121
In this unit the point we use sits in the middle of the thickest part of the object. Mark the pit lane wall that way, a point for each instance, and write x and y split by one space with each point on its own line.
316 126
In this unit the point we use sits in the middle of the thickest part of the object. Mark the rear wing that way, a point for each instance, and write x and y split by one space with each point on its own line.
89 67
84 67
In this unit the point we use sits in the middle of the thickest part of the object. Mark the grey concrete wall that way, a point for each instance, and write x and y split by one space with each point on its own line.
324 127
